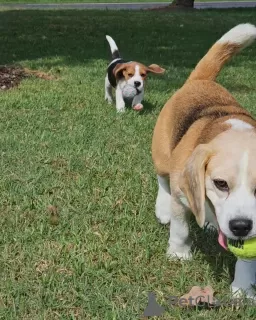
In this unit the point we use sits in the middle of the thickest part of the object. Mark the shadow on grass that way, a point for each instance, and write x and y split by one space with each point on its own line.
148 108
172 39
206 242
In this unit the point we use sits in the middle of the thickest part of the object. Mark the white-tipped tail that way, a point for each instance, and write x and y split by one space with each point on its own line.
223 50
113 46
243 35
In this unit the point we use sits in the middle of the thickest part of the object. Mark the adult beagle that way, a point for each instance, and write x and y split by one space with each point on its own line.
204 151
121 72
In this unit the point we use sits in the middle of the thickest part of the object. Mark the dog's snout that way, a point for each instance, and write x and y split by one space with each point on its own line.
240 227
137 83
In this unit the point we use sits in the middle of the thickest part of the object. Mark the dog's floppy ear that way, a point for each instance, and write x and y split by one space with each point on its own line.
154 68
119 68
192 182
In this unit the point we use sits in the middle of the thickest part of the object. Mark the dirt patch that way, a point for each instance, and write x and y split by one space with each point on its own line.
11 76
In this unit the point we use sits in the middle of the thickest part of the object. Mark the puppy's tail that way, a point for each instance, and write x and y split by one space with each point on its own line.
113 48
222 51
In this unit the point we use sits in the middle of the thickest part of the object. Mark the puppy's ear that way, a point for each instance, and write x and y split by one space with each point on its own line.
192 183
118 70
154 68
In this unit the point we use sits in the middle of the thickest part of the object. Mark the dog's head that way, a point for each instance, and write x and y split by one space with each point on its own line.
134 73
224 171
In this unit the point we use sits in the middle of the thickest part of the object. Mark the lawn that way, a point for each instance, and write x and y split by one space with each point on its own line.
96 1
63 145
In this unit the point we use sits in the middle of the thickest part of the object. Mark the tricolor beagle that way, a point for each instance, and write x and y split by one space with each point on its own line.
204 151
121 72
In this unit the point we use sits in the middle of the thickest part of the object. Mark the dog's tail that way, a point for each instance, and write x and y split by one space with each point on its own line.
222 51
113 47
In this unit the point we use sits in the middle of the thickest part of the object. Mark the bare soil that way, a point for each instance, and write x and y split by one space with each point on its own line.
11 76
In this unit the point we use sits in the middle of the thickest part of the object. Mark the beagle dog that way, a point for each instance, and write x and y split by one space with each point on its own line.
121 72
204 151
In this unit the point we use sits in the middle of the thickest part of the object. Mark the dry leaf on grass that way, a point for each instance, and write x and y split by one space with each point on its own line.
54 216
39 74
65 271
198 296
42 266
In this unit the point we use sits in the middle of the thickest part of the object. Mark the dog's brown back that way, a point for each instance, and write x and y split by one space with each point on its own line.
197 112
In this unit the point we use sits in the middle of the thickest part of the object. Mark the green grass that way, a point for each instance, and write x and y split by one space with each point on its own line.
95 1
62 145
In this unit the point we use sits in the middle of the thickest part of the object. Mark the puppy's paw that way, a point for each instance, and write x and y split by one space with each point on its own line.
184 254
120 110
163 214
242 293
138 107
109 100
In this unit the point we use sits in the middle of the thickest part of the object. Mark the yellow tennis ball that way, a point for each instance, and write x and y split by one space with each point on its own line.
243 248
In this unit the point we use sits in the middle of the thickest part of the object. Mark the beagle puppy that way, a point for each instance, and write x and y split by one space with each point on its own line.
121 72
204 151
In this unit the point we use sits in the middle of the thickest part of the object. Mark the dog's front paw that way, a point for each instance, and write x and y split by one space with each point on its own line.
120 110
238 293
183 254
163 214
138 107
109 99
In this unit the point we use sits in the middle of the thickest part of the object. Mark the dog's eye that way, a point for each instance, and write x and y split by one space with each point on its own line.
221 185
143 75
130 74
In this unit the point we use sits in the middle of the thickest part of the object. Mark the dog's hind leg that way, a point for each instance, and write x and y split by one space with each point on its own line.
108 91
163 200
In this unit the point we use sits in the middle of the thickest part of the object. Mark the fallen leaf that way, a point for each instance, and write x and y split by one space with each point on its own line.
198 296
39 74
64 271
42 266
54 216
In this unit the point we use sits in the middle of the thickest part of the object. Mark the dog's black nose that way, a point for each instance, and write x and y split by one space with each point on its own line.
137 83
240 227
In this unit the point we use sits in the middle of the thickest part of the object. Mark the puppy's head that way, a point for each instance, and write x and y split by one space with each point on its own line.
135 74
224 171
